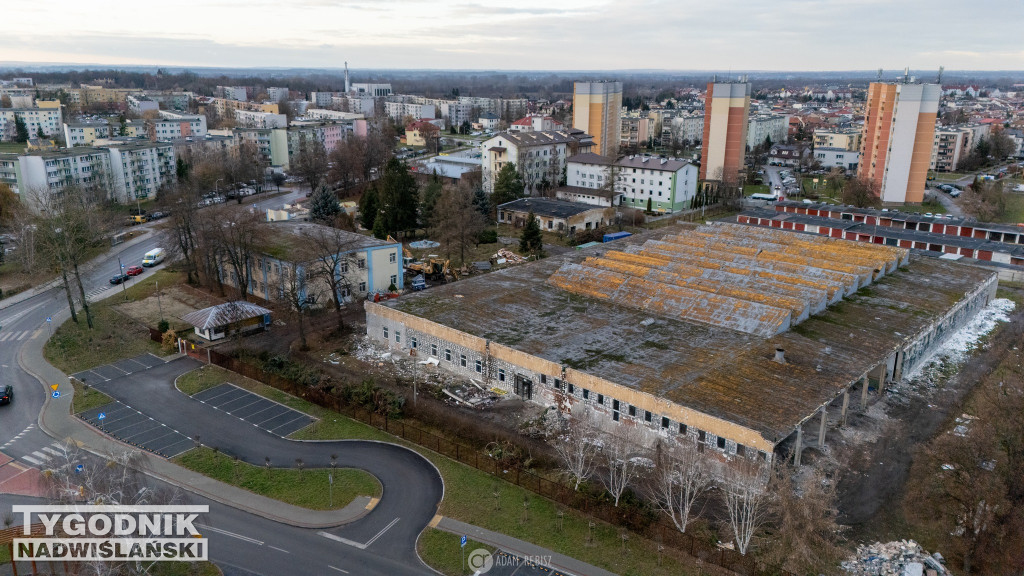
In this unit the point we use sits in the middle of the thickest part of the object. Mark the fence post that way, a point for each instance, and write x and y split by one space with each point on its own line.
457 452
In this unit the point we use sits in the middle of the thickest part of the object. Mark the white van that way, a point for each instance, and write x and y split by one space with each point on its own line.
764 196
153 257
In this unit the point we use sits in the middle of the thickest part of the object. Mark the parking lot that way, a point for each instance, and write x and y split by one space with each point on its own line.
262 413
133 427
120 368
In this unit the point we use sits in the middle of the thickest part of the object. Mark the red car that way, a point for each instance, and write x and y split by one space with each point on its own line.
133 270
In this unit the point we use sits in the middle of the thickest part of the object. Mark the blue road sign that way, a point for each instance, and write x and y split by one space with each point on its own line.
56 394
79 468
464 540
102 415
48 319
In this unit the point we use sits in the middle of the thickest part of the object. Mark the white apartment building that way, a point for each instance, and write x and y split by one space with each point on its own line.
254 119
535 123
398 111
774 126
239 93
837 158
953 144
669 184
323 99
324 114
173 125
845 138
276 93
688 128
539 157
140 103
128 171
49 120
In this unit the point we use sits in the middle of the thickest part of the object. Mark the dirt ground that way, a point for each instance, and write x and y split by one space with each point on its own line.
176 301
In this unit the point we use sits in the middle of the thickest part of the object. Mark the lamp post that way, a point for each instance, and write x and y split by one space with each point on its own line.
124 281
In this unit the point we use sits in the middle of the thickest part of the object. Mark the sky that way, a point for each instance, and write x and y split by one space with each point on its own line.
521 34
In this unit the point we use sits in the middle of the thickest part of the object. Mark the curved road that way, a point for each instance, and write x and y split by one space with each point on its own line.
382 542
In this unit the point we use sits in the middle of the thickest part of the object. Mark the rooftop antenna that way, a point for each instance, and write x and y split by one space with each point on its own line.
939 79
906 74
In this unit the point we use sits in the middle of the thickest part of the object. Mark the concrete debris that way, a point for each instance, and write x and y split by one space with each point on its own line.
472 395
902 558
507 257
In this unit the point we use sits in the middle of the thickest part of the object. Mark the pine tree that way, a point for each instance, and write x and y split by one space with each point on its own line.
649 206
398 197
379 230
323 206
508 186
368 208
20 130
430 195
531 241
480 202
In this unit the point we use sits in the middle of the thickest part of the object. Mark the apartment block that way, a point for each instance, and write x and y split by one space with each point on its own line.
140 103
726 112
596 109
276 93
767 126
255 119
173 125
399 111
635 132
535 123
899 134
48 120
669 184
845 138
539 156
86 133
688 128
379 90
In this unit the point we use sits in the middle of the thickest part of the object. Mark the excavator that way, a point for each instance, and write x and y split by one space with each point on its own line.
432 269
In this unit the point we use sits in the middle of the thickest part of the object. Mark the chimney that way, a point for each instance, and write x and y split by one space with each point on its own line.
347 85
780 355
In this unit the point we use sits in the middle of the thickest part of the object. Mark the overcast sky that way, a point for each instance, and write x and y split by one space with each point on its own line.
521 34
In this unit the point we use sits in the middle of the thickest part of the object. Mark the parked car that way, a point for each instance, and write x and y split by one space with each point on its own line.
119 279
955 193
133 270
8 394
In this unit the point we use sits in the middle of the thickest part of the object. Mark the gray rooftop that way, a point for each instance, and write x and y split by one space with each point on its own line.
548 207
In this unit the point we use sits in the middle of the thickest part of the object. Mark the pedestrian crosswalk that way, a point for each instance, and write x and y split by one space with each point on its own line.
16 335
19 435
54 454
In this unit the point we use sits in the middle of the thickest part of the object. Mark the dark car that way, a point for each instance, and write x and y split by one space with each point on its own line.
119 279
8 395
133 270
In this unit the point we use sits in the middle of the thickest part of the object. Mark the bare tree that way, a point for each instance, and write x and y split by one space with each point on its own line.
237 240
456 221
347 161
682 475
576 447
806 534
311 162
862 193
744 492
332 255
622 460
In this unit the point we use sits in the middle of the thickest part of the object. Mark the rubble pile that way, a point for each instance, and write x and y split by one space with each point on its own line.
902 558
472 394
508 256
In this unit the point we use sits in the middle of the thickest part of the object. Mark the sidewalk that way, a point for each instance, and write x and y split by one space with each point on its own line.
519 547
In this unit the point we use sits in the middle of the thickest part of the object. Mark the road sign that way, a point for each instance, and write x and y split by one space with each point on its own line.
101 415
48 319
330 479
55 394
53 386
464 540
79 468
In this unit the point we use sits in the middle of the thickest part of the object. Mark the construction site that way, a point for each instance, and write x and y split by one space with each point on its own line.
746 339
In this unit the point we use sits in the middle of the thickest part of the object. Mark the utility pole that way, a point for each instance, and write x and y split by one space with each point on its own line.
124 281
158 302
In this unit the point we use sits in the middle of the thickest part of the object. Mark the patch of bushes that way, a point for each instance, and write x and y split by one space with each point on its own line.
489 236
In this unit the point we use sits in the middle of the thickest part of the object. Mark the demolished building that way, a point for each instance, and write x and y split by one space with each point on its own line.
738 337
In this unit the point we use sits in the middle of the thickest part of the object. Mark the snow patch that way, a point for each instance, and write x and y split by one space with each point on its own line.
956 348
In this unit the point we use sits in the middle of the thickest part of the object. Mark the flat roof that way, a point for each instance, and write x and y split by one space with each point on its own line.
284 239
549 207
718 371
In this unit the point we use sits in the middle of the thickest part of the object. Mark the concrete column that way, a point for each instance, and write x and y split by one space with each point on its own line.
883 370
897 371
864 392
821 430
799 445
846 406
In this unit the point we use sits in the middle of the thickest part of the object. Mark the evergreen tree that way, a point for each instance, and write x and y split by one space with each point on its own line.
430 195
368 208
379 231
480 202
508 186
20 130
649 205
398 197
531 241
40 133
323 206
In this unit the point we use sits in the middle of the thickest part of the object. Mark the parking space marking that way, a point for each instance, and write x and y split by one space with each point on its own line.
293 421
257 410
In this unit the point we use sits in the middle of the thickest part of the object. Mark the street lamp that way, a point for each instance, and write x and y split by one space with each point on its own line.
216 189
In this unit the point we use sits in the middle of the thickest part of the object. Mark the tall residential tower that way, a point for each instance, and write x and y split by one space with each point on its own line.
899 132
724 147
596 109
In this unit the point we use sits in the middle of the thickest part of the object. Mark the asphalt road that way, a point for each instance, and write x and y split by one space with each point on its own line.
26 320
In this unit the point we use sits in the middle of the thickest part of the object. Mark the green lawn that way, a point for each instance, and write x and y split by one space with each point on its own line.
443 552
202 378
12 147
749 189
307 488
74 347
949 176
933 206
87 399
